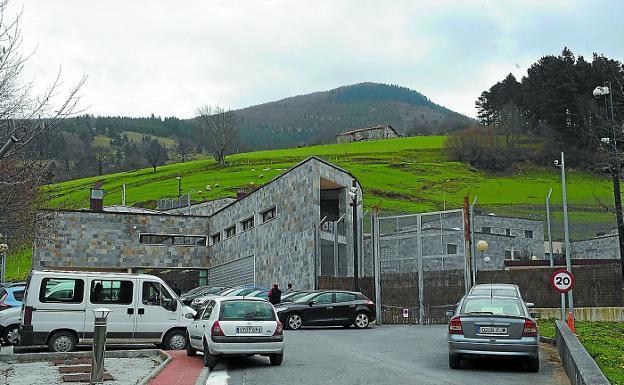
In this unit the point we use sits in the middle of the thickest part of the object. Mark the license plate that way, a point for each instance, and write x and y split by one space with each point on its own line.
491 330
248 329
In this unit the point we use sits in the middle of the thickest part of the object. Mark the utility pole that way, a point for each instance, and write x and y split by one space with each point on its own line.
550 246
568 250
354 195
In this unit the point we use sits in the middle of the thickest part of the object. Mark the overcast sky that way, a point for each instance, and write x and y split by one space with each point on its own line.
169 57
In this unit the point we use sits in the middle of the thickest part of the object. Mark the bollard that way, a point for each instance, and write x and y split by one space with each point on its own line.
99 345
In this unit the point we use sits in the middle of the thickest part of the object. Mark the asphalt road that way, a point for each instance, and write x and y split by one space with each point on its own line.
380 355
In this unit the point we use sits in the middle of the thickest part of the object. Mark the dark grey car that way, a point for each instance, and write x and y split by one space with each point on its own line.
493 326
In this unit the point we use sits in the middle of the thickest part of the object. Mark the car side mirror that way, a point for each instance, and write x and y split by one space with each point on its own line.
535 315
530 304
189 316
311 303
449 313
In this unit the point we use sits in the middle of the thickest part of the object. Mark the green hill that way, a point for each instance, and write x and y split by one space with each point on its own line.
398 175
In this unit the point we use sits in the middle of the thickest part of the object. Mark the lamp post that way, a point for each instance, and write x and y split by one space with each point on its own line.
3 250
353 193
568 250
550 247
482 247
179 186
99 345
615 168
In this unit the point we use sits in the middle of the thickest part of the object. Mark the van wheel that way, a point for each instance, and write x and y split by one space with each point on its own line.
175 340
10 335
62 342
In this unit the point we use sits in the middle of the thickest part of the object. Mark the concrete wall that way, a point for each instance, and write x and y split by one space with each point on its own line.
111 240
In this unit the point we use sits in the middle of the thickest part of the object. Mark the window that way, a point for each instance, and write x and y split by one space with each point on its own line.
63 290
451 248
248 223
324 298
230 231
268 214
345 297
246 311
215 238
155 294
486 229
208 310
507 254
175 240
528 233
18 295
508 232
111 292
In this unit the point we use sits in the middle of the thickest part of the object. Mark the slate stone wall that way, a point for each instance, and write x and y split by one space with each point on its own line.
604 247
111 240
204 208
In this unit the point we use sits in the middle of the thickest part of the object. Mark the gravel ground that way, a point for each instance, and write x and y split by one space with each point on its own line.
126 371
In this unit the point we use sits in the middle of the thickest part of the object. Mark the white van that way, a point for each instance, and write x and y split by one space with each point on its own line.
57 310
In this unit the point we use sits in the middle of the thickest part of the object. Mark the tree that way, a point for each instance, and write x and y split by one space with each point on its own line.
183 148
154 152
28 118
217 131
102 159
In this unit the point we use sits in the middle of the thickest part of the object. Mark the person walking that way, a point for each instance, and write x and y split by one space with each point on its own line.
289 289
275 294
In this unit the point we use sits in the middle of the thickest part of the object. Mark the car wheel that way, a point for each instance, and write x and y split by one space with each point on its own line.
10 335
190 350
294 321
62 342
361 320
276 359
454 361
210 360
175 340
532 365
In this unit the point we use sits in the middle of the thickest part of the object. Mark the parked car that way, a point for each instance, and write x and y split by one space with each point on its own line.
9 325
493 326
188 297
236 326
58 310
200 302
11 296
496 290
326 308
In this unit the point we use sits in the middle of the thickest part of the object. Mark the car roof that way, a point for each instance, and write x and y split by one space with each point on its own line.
238 298
481 296
496 285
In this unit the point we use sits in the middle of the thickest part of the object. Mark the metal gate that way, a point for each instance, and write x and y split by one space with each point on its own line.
421 265
240 271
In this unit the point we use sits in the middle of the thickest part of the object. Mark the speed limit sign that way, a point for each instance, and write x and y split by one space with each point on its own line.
562 281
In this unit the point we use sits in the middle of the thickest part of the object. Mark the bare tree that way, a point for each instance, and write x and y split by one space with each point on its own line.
183 148
217 131
26 118
154 152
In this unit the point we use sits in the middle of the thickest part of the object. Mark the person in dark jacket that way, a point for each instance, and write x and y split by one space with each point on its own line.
275 295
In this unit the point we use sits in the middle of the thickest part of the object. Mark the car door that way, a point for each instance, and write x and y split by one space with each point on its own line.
156 311
201 324
344 307
321 311
118 295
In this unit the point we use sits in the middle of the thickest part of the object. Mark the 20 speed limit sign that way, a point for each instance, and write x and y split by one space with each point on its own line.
562 281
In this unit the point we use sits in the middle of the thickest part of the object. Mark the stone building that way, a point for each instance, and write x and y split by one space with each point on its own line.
371 133
277 233
603 246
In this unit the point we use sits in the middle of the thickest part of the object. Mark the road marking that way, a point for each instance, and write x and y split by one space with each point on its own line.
218 376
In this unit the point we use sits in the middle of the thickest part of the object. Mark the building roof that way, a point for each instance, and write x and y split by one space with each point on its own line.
380 127
129 209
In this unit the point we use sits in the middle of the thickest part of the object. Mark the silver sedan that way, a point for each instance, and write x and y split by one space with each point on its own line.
493 326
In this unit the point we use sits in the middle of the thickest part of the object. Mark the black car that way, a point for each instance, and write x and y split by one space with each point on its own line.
327 308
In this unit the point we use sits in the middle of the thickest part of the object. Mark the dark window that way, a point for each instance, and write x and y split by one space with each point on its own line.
154 294
345 297
248 223
215 238
18 295
451 248
508 232
208 310
230 232
507 254
113 292
63 290
268 214
176 240
324 298
246 311
486 230
528 233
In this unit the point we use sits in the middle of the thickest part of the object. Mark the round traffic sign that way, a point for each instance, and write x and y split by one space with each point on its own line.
562 281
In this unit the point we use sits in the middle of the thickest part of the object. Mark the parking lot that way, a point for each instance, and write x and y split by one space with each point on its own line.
379 355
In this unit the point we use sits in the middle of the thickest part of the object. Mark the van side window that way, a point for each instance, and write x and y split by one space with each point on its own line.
64 290
208 310
154 294
111 291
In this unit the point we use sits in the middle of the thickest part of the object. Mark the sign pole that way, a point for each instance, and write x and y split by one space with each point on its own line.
562 307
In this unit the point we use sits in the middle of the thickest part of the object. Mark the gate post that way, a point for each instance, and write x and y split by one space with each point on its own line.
421 278
376 264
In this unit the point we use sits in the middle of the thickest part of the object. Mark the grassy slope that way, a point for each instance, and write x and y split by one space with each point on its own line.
604 341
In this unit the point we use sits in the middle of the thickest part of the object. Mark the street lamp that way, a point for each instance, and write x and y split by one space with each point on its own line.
568 248
353 194
615 169
3 250
7 146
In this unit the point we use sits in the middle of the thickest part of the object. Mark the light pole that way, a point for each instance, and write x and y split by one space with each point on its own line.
179 187
615 168
3 250
353 193
550 248
7 146
565 227
482 247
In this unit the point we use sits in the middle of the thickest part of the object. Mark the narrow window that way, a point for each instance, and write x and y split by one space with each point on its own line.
215 238
528 233
248 223
451 248
508 232
268 214
230 231
486 230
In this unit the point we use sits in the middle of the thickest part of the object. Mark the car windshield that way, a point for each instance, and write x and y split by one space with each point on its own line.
246 311
492 305
294 297
502 292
